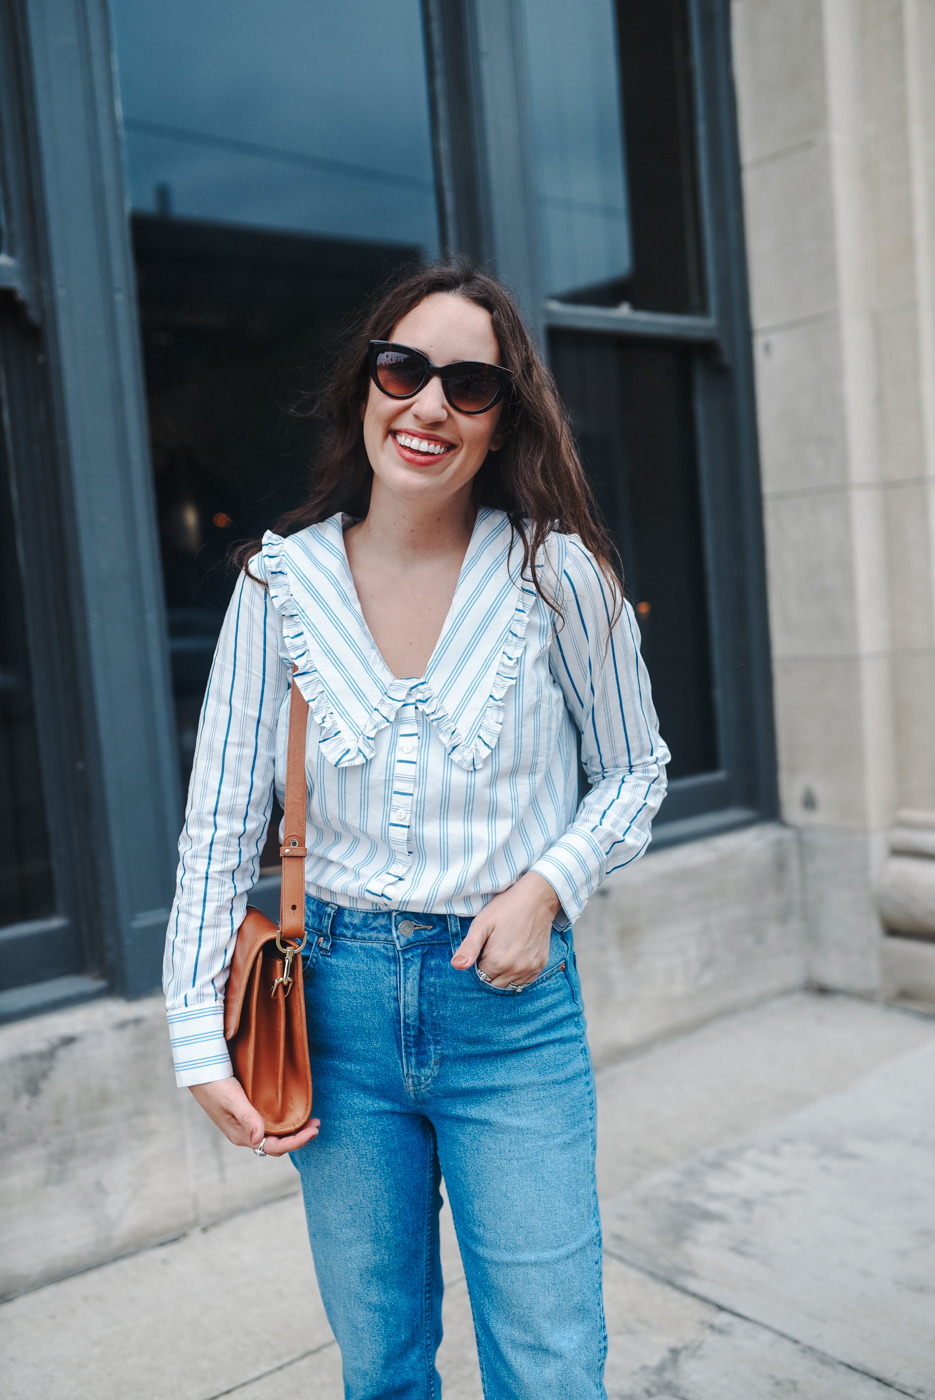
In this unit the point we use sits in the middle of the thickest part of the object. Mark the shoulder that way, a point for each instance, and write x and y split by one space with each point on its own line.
580 582
281 559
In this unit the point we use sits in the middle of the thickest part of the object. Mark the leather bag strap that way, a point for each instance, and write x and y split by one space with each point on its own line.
293 851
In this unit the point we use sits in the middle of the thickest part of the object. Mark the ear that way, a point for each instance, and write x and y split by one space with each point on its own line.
497 441
363 409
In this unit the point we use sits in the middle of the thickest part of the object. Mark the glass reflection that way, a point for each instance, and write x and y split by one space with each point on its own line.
280 166
613 116
581 189
283 115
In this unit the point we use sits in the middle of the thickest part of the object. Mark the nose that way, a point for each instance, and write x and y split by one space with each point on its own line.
430 404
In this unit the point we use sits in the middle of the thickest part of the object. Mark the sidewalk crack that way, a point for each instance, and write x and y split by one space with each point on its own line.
765 1326
272 1371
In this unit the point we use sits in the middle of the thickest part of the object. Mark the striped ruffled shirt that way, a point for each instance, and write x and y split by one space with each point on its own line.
429 794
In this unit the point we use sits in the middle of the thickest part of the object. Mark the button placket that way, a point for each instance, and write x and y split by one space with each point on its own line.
404 777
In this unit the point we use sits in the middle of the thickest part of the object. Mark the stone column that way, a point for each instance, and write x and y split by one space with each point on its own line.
906 891
837 143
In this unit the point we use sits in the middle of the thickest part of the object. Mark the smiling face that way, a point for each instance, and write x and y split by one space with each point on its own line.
422 449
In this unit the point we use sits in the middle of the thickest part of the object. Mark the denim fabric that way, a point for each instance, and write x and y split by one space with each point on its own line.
422 1072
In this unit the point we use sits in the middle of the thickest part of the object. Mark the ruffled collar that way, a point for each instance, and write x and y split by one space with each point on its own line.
351 691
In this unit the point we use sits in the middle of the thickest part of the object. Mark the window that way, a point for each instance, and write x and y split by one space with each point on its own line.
645 324
280 166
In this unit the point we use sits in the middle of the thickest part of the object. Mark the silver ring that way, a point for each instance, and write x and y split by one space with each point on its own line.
513 987
258 1151
483 976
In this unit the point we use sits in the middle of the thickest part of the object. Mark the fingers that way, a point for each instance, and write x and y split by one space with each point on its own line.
279 1146
227 1105
515 975
472 943
251 1124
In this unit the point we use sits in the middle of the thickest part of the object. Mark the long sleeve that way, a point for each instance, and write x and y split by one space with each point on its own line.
606 689
229 802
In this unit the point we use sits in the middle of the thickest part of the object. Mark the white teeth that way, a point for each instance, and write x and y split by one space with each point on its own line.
420 445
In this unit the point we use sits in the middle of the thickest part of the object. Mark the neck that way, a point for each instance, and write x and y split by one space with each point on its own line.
400 528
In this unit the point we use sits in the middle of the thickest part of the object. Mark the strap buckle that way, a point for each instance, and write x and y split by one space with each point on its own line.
287 979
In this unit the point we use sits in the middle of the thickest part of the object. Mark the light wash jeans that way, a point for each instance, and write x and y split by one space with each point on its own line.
423 1072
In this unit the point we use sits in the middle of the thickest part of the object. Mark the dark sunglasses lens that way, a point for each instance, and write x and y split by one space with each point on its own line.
399 374
473 389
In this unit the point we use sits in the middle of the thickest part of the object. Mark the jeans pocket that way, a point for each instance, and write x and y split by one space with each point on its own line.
559 954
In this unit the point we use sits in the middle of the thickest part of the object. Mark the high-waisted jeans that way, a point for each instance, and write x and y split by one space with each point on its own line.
423 1072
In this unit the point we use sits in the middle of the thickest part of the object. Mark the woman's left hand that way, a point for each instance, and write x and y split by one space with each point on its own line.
509 939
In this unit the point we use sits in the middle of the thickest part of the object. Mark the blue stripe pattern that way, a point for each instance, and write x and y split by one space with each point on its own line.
428 794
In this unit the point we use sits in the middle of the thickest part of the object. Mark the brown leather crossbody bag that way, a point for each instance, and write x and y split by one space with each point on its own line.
264 1012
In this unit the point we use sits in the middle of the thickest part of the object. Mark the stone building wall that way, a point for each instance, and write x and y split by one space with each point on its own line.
836 108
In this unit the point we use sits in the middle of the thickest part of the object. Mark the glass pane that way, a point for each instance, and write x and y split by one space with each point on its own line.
631 410
612 104
26 885
280 165
578 140
285 115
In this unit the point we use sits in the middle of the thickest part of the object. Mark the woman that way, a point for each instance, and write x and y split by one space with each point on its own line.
450 606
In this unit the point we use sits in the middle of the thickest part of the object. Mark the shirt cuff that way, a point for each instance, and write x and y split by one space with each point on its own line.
198 1045
574 867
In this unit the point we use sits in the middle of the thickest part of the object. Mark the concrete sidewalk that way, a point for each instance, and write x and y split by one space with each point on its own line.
768 1191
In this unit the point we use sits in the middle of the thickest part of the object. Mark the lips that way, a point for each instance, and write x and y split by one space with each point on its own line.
413 447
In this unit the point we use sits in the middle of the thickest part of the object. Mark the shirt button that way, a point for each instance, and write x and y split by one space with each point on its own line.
408 746
399 814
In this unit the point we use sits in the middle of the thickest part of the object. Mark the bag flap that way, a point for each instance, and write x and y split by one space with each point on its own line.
255 931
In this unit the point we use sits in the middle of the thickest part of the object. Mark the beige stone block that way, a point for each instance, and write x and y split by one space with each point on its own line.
883 56
823 777
790 238
871 580
900 415
890 188
843 927
810 571
95 1160
779 70
910 550
800 407
689 932
914 686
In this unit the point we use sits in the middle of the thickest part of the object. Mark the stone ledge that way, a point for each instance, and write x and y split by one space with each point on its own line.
688 933
103 1154
106 1156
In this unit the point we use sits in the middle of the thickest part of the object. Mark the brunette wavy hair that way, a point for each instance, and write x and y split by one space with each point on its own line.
536 476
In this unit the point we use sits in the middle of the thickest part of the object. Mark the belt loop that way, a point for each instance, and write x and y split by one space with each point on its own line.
454 930
323 936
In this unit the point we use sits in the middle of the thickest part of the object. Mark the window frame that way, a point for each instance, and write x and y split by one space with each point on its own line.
75 433
483 161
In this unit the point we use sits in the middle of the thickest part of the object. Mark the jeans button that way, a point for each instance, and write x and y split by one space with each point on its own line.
407 928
